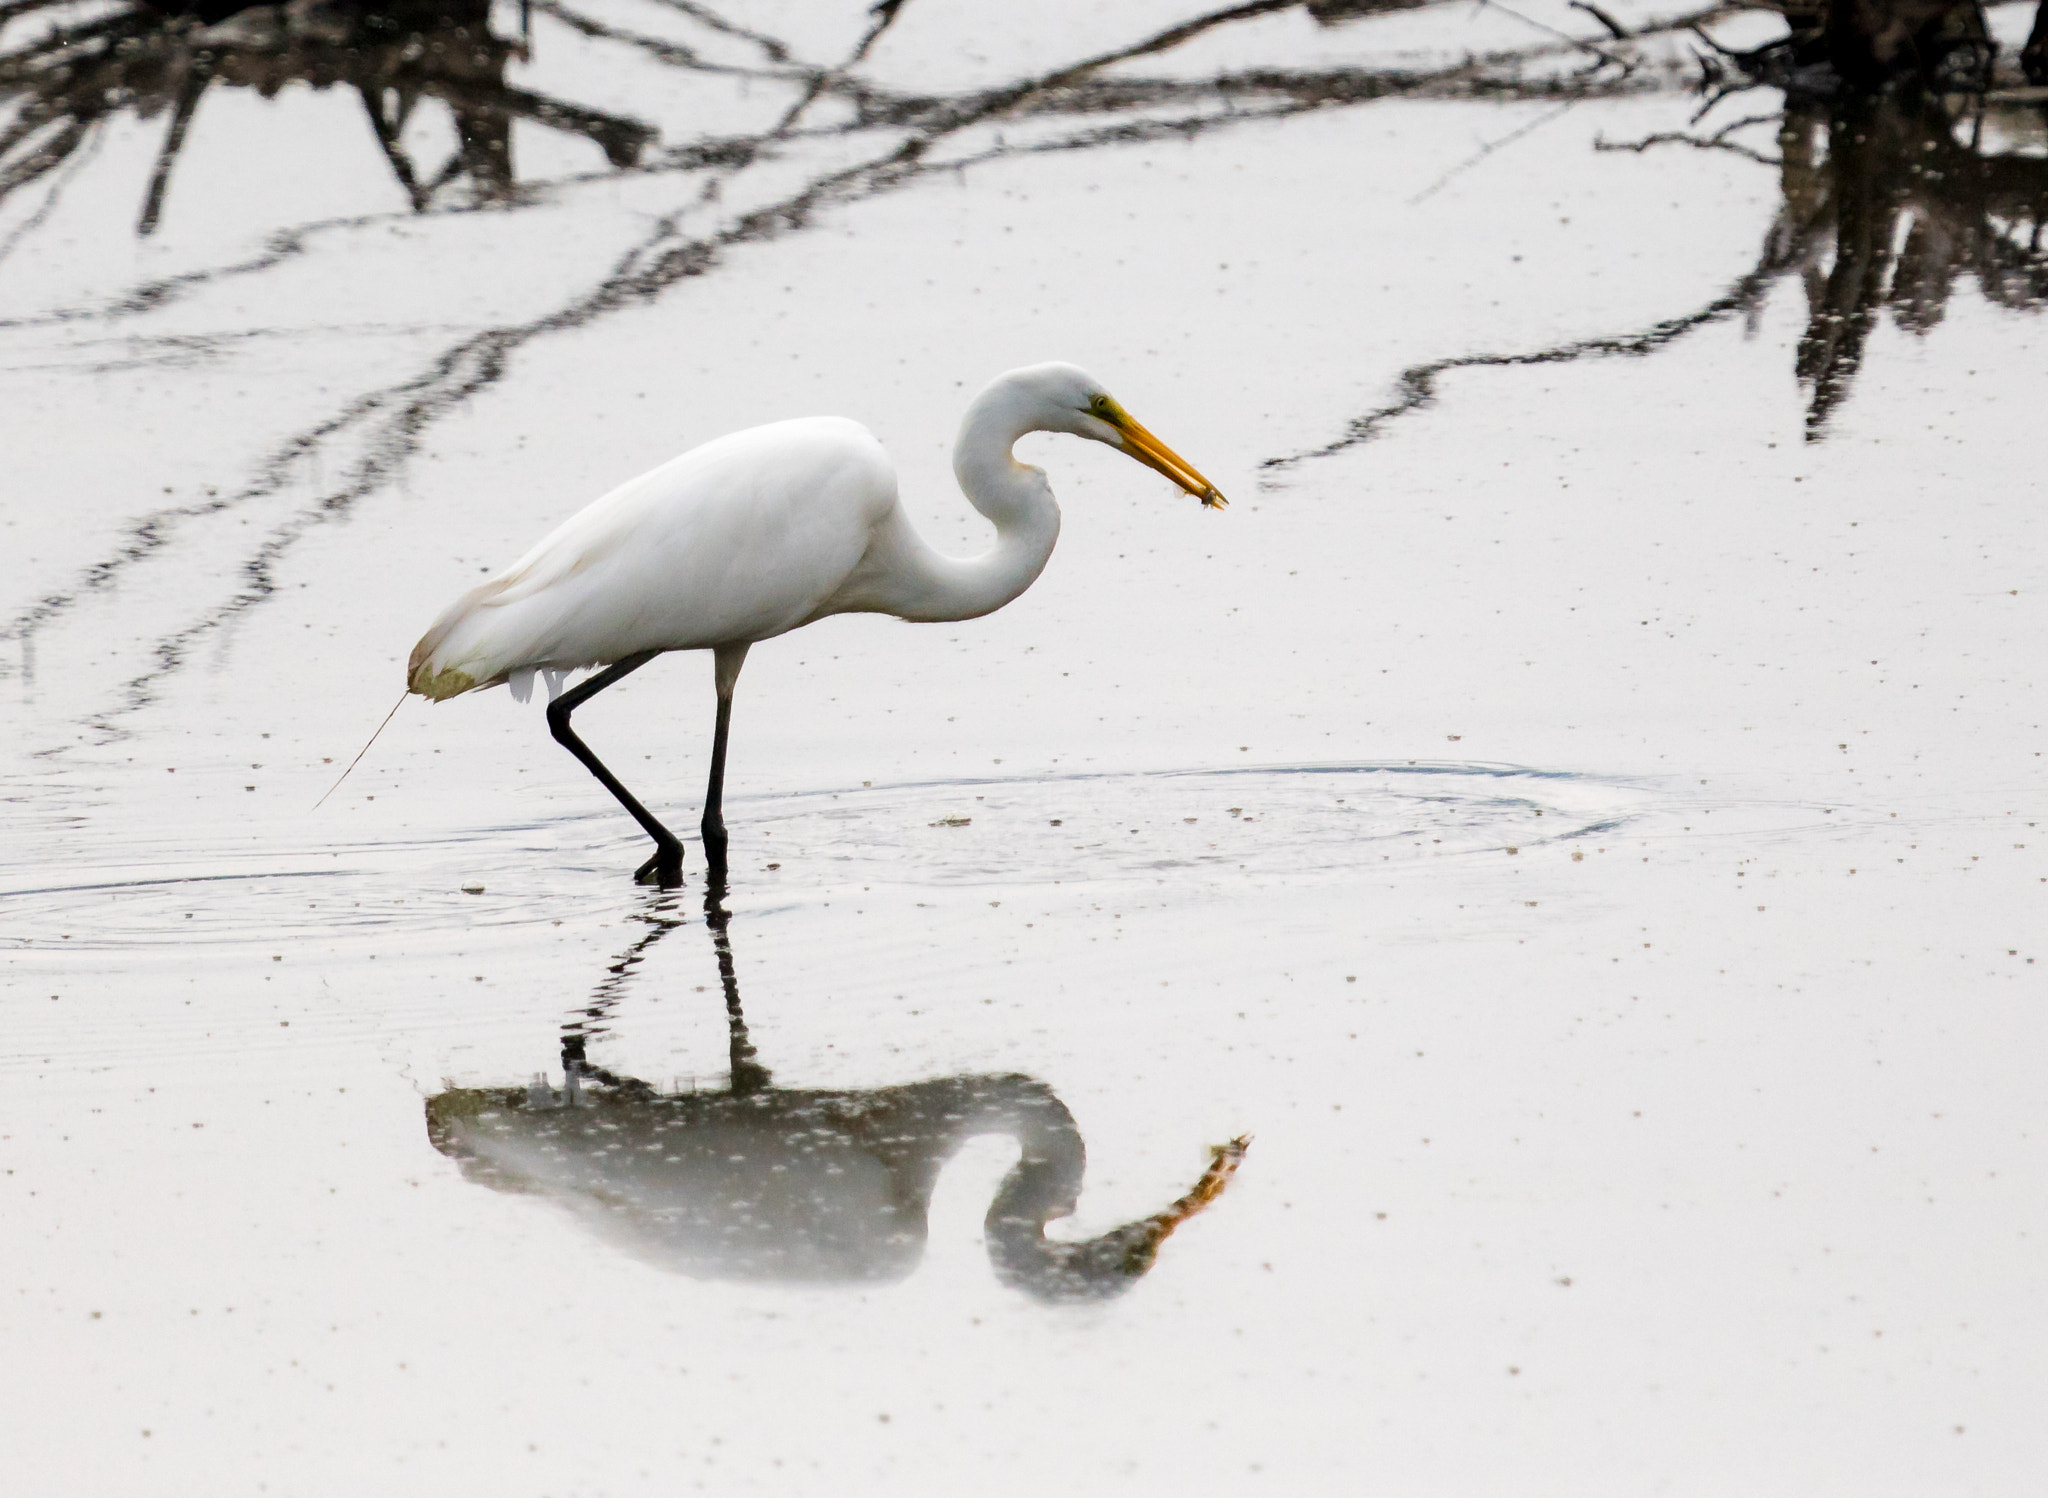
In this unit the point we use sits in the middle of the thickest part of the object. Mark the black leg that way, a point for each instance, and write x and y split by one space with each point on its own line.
666 866
729 660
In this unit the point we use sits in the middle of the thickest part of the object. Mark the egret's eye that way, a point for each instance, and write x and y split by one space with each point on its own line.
1099 405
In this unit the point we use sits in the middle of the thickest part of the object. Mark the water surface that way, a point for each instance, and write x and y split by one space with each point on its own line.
1576 812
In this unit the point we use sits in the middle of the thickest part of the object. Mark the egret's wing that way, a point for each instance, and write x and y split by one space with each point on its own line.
739 539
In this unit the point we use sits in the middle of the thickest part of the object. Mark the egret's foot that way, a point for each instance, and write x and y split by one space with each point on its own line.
714 847
665 868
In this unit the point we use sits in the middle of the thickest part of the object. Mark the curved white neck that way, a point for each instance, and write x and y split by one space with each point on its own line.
914 582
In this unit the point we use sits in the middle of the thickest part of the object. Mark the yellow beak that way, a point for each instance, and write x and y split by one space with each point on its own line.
1156 455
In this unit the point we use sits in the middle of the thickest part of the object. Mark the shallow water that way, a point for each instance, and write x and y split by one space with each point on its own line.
1577 811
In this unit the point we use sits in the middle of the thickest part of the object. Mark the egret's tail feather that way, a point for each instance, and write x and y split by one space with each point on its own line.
439 685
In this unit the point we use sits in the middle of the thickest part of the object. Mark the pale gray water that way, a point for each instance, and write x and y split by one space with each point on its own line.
1577 810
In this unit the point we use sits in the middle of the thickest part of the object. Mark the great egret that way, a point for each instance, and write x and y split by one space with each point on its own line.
753 535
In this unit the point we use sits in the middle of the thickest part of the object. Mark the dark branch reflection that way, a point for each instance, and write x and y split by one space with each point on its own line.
1886 208
391 53
1887 201
764 1183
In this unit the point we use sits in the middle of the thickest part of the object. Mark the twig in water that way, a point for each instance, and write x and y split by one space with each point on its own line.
1577 41
1489 148
1718 141
366 748
1620 33
48 206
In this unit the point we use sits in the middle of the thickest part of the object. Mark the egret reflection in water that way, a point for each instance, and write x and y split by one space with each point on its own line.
391 53
756 1182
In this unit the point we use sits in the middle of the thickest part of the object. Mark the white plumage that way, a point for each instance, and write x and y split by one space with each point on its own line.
752 535
740 539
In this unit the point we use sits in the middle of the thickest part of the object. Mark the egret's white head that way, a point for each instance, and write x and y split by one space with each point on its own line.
1062 398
